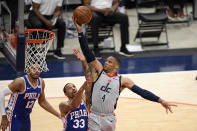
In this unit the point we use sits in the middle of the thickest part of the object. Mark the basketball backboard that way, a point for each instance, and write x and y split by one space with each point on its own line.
16 57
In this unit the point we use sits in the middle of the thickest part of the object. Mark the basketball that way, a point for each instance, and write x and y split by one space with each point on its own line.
83 15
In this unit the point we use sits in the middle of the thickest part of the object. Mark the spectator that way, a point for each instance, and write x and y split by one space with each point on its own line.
45 14
106 10
171 12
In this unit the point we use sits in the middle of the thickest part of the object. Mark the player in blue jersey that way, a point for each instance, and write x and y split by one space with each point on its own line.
74 112
24 92
106 88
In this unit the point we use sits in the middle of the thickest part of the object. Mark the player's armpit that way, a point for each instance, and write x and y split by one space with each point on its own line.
94 74
64 108
96 68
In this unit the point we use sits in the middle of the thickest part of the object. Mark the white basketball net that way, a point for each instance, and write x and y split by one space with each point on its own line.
35 53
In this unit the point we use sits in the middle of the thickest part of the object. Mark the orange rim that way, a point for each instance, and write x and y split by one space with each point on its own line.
38 41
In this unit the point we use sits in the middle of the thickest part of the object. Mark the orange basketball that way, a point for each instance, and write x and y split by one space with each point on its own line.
83 14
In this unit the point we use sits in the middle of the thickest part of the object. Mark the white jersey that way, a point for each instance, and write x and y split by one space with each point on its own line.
105 93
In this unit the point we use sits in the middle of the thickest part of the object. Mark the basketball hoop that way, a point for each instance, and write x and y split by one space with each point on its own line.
38 42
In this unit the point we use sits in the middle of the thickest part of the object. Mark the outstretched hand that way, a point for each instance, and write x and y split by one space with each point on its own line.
79 54
79 27
167 105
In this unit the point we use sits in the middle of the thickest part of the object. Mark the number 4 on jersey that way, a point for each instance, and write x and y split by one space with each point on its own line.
103 98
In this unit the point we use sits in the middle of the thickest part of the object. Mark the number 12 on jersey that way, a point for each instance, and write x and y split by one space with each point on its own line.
30 104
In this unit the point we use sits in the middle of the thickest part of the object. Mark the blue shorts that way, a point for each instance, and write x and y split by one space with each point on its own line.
20 123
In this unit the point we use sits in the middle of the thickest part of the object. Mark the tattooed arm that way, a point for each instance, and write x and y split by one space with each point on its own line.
87 73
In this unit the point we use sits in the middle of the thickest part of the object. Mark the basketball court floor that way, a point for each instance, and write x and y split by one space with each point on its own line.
133 113
172 77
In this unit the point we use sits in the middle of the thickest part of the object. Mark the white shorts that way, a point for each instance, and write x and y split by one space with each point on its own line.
101 122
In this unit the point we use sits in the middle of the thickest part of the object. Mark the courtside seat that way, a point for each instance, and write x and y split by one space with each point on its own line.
151 17
105 30
151 23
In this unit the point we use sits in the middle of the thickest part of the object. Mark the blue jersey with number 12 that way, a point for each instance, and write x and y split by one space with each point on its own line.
77 119
21 104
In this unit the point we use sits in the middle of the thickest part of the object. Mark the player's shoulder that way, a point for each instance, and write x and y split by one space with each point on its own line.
64 103
64 107
17 85
123 78
19 80
41 80
126 80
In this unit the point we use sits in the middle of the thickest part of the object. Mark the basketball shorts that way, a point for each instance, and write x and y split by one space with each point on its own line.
98 122
19 123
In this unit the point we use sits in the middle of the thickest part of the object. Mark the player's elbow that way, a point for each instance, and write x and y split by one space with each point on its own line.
41 102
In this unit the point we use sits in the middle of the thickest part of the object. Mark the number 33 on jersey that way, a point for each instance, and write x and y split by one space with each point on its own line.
77 119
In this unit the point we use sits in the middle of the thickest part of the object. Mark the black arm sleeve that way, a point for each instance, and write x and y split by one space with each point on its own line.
85 49
144 93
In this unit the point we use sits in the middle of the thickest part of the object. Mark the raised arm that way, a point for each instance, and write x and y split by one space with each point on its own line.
128 83
87 73
93 63
68 106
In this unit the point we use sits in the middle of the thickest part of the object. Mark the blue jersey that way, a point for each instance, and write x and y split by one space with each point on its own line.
21 103
76 120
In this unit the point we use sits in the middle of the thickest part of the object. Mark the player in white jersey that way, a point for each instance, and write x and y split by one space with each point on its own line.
106 88
24 92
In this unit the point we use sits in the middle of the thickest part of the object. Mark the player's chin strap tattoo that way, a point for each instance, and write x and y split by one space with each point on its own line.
85 49
145 94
